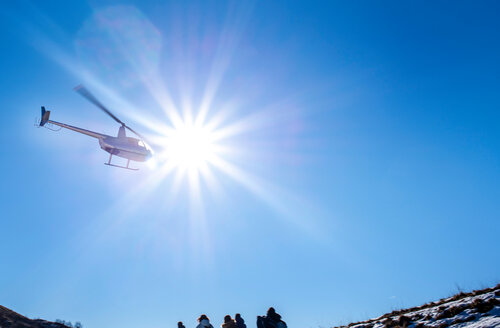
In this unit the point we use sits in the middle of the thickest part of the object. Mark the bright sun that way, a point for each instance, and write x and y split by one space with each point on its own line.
189 146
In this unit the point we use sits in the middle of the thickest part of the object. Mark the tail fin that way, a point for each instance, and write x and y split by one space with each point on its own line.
45 116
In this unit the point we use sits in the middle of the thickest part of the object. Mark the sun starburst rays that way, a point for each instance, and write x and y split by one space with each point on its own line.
202 124
190 149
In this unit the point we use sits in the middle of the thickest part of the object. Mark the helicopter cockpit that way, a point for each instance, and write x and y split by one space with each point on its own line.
138 142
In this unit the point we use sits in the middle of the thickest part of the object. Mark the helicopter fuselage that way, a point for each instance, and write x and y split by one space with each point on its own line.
129 148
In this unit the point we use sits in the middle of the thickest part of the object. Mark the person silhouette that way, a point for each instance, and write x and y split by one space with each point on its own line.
204 322
180 325
229 322
270 320
239 321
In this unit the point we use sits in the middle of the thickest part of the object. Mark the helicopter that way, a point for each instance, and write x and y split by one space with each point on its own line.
132 149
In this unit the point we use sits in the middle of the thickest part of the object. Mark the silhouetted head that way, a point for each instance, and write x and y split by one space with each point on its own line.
227 318
237 316
203 317
180 325
271 314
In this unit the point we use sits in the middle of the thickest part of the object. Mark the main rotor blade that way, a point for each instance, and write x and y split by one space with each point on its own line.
90 97
139 135
136 133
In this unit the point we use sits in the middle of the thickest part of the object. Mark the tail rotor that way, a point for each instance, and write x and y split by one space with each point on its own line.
45 116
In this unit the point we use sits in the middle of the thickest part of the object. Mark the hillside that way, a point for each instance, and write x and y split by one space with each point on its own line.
477 309
11 319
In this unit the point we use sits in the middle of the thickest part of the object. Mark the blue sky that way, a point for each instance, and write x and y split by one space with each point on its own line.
358 172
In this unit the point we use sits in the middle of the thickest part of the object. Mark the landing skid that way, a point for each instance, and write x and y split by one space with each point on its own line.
122 167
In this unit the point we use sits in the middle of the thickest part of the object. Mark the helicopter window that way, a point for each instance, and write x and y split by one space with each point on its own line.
140 143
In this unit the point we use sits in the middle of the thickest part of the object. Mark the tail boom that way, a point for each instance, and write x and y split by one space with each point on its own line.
45 116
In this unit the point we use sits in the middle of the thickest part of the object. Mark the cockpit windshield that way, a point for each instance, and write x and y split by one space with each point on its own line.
140 143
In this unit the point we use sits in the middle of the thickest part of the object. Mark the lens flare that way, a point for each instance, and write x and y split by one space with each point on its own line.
209 128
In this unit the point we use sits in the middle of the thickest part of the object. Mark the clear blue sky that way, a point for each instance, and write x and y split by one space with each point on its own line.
359 167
